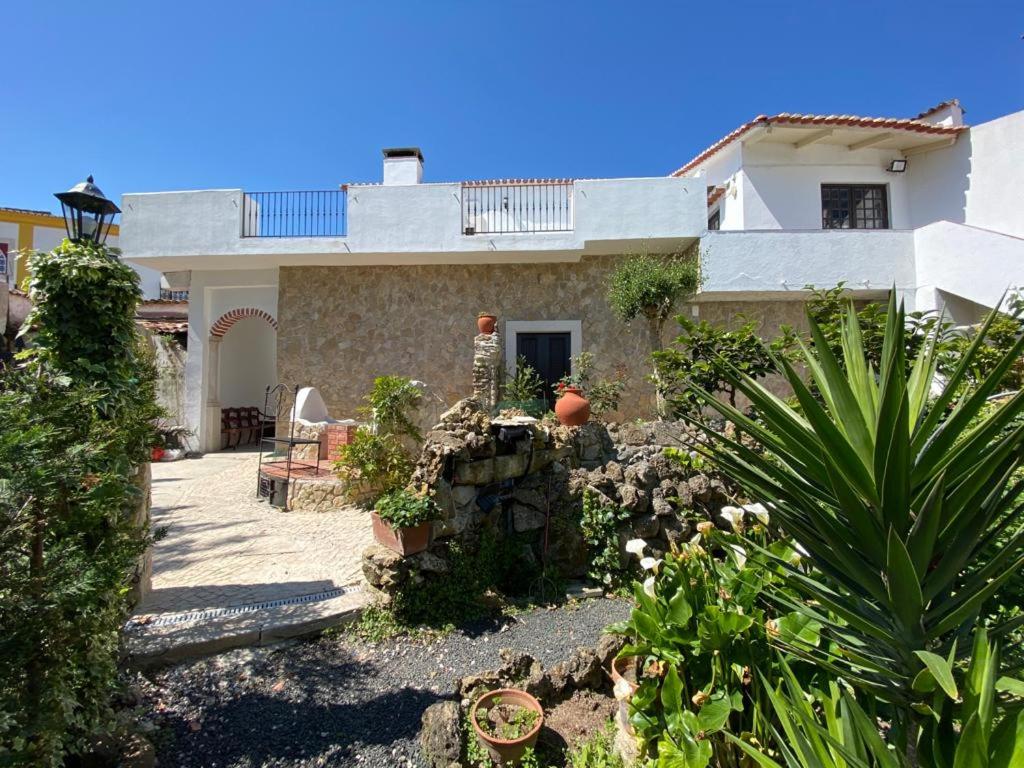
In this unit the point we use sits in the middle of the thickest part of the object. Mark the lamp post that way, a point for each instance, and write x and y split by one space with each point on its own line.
85 211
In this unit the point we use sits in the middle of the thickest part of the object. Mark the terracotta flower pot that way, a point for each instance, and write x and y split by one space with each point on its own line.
507 751
572 409
404 541
486 323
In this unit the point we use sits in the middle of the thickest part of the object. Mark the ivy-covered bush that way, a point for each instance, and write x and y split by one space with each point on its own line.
599 524
78 415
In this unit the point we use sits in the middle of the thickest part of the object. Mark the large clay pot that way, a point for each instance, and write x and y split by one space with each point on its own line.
404 541
507 751
572 409
486 323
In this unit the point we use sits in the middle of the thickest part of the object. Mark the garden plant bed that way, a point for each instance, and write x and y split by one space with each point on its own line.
337 701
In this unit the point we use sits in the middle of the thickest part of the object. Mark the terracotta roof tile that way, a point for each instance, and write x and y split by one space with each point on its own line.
164 326
852 121
941 105
714 194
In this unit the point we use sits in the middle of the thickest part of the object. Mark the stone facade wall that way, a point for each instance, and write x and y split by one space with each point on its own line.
340 327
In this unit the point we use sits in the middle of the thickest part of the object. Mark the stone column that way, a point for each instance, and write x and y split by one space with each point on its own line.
488 369
142 580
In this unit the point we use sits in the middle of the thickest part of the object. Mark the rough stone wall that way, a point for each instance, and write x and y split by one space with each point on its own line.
488 366
340 327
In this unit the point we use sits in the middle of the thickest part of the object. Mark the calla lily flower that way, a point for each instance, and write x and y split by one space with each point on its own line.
623 690
734 517
649 586
741 555
650 564
758 510
636 547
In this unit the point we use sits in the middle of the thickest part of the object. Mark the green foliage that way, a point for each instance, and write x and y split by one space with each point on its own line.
597 751
694 358
895 496
830 729
504 720
526 384
699 629
391 404
599 525
603 394
405 509
373 464
78 420
650 285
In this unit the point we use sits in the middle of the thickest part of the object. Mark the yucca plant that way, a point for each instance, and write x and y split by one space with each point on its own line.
892 492
829 729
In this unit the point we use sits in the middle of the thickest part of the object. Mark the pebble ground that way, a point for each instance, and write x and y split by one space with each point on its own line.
337 701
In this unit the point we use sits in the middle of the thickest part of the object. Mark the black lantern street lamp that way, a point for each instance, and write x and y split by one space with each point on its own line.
86 211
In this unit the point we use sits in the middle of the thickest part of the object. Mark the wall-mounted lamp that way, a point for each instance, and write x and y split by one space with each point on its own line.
897 166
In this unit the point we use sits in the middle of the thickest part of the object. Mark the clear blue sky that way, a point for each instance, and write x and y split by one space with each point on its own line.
155 96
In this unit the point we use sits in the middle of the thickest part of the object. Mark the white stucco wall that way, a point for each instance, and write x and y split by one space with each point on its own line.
412 224
741 264
975 264
978 181
248 362
212 294
782 184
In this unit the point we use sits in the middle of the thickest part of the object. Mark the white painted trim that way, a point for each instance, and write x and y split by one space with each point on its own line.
512 327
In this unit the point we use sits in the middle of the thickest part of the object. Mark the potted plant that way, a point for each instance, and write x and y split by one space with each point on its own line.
485 322
506 722
402 521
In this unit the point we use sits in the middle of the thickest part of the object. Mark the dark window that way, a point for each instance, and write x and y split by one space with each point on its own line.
715 220
854 206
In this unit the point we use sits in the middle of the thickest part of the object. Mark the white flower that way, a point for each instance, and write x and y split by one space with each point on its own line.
734 517
623 690
650 564
740 554
649 586
758 511
636 547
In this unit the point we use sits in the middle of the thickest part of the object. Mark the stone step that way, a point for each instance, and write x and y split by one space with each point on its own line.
158 639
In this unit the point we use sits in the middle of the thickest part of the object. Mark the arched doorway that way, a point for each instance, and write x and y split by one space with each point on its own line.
243 359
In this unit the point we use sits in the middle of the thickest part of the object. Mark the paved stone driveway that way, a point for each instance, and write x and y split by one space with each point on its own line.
223 548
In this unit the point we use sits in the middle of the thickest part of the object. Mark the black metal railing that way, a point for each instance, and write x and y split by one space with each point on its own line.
166 295
294 214
504 207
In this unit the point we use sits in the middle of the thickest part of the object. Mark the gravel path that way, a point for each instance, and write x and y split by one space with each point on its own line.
340 702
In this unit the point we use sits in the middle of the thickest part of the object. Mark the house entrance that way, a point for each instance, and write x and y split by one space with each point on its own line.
548 354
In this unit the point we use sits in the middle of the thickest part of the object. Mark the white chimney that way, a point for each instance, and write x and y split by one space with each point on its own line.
948 114
403 166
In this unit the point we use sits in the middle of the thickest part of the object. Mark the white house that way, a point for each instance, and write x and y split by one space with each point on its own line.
335 287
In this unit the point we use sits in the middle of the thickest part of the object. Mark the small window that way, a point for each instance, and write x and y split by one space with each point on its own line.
715 220
3 258
854 206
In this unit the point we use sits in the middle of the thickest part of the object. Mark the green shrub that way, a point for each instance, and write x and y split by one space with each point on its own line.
390 406
525 385
691 362
405 509
599 525
596 751
650 286
373 464
78 421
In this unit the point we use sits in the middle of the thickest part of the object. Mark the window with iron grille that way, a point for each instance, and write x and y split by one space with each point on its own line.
854 206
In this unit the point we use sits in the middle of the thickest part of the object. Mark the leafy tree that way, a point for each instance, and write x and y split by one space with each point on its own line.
78 415
650 286
894 495
391 404
691 362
